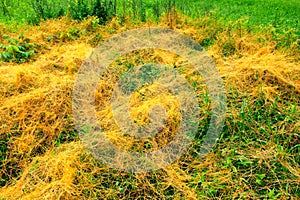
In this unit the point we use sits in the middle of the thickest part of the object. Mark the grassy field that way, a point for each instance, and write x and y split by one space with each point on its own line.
284 14
256 47
259 12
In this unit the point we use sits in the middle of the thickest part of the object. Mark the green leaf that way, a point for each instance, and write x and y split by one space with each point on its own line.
15 48
25 54
258 181
10 49
21 48
259 178
7 55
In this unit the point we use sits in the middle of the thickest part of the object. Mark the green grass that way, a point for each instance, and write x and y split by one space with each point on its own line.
282 13
274 12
